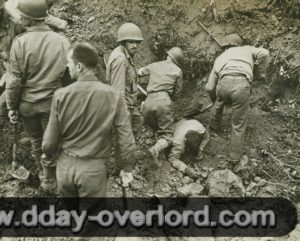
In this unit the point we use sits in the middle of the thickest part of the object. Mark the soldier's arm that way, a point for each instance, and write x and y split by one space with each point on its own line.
212 80
175 152
261 57
211 84
118 75
125 140
204 141
144 71
14 78
51 138
178 86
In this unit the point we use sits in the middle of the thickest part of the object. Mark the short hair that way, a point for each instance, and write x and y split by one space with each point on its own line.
86 54
192 142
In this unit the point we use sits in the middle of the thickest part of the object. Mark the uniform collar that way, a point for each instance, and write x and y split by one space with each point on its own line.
128 56
88 77
38 28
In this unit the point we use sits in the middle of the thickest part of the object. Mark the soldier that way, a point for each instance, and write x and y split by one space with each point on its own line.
190 136
36 68
10 27
230 81
164 86
83 145
121 71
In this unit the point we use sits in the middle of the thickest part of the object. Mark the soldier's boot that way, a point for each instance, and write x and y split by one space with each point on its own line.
49 179
154 151
191 173
36 171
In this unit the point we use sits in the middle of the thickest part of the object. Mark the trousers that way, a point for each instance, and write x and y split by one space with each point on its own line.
3 109
77 177
35 117
136 120
82 178
235 91
158 114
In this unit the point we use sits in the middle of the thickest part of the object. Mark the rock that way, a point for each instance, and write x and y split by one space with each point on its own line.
192 189
91 19
242 164
149 134
261 189
136 185
186 180
180 175
199 180
224 183
204 174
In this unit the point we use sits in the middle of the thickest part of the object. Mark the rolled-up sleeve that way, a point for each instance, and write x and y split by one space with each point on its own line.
178 86
14 77
212 80
261 57
125 140
144 71
51 138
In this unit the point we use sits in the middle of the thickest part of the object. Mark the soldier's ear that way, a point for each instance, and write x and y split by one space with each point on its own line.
79 67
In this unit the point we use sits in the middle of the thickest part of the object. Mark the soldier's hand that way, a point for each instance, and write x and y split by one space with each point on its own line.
199 156
13 116
126 178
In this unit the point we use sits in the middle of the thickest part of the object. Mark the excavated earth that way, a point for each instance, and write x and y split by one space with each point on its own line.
272 140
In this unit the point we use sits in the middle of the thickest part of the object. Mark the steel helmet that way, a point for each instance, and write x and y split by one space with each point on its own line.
177 55
232 40
2 3
33 9
129 31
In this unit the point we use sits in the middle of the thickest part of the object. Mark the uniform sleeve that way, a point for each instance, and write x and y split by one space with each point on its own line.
144 71
14 78
212 80
261 57
51 138
176 152
178 86
125 144
118 75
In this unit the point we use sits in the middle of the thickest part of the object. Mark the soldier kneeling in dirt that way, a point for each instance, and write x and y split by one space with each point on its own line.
164 85
190 136
230 81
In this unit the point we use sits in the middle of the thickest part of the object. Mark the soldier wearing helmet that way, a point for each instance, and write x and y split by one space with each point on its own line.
121 72
230 82
10 27
38 60
165 84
